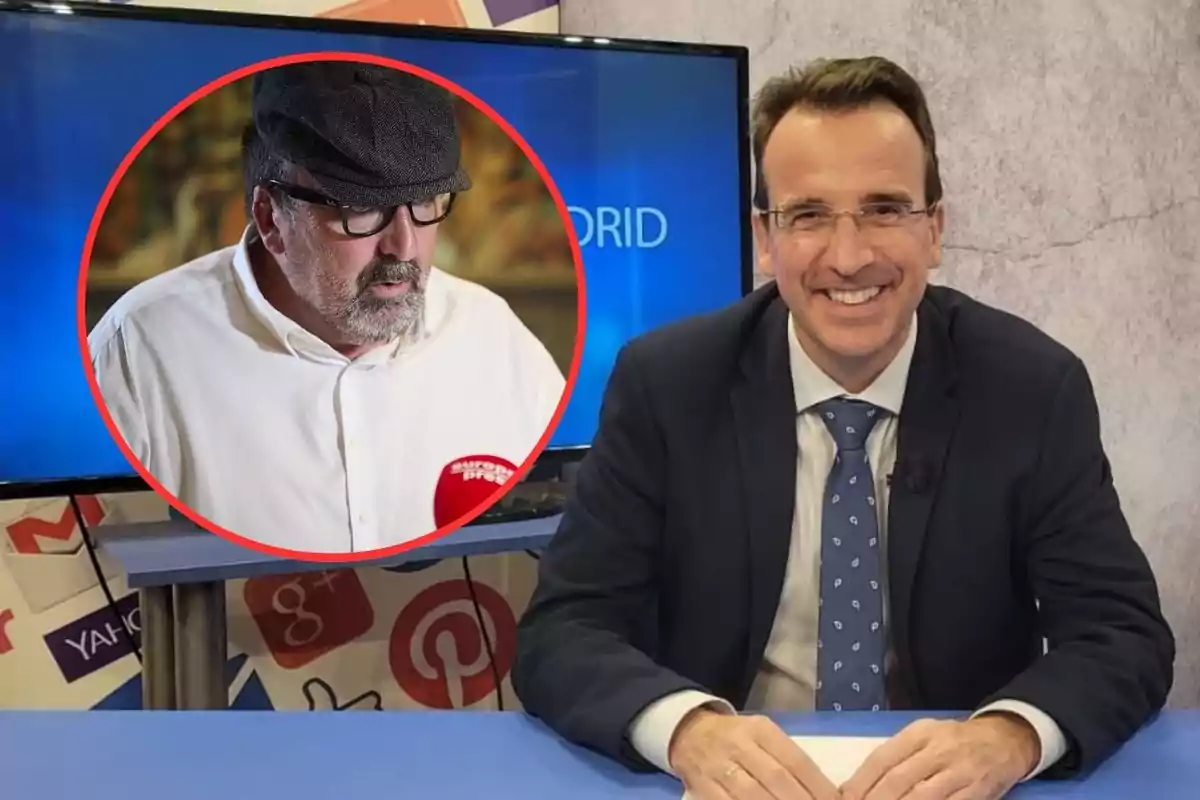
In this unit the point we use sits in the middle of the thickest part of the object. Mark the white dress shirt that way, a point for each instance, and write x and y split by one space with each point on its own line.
264 429
786 680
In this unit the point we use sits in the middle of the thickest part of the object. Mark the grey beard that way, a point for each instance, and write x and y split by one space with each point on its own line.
368 319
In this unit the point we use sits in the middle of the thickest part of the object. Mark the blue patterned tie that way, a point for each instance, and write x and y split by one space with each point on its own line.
851 642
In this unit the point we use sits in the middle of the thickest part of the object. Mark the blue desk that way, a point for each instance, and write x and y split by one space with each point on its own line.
180 572
173 552
452 754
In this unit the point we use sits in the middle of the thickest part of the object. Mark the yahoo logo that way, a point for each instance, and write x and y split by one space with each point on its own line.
641 227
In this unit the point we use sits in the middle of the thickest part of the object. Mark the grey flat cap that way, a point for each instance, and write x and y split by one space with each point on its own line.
369 135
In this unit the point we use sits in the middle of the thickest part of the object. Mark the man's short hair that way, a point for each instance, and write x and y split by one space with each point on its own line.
842 84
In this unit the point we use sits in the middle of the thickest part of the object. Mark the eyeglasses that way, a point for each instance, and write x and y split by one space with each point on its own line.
815 218
359 221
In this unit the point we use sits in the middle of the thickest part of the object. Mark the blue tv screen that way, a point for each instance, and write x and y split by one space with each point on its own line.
645 141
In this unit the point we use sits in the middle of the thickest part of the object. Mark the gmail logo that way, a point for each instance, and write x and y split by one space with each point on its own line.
43 549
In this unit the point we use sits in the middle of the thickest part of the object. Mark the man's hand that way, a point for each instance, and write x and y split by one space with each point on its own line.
979 759
726 757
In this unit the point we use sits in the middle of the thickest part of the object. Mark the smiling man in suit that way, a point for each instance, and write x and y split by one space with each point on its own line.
851 491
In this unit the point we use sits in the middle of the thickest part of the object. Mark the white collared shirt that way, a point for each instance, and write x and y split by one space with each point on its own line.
786 679
264 429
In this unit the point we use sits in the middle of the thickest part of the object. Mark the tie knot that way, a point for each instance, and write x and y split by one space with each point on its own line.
848 421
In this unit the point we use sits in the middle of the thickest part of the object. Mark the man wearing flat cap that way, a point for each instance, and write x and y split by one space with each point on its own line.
306 387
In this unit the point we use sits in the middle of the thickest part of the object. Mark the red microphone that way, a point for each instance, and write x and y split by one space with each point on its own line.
465 483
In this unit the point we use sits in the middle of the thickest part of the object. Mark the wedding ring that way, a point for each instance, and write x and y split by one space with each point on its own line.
732 770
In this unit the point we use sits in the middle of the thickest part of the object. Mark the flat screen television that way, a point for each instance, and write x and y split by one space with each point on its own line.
646 141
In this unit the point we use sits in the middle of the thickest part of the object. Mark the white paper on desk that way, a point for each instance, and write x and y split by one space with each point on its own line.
837 756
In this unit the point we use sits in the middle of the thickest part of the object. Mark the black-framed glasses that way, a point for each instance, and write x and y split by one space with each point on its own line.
817 218
359 221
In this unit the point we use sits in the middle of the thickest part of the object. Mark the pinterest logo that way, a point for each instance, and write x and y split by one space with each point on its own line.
436 651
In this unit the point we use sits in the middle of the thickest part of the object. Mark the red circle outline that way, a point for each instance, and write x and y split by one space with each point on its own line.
580 290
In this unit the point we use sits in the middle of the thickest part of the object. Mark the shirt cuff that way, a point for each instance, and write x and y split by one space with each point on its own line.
653 729
1054 742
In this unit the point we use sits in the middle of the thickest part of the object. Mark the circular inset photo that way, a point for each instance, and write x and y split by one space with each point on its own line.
332 306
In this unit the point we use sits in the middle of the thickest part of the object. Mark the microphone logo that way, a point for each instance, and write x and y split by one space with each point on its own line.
466 484
479 469
436 651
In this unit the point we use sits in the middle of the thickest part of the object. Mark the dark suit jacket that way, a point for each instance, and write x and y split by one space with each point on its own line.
667 570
